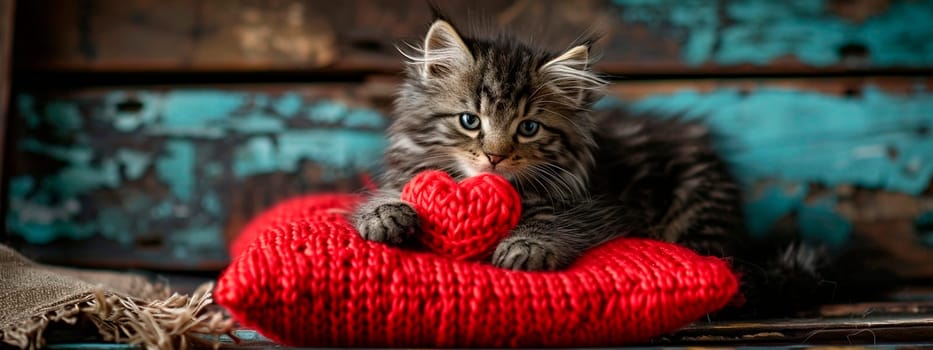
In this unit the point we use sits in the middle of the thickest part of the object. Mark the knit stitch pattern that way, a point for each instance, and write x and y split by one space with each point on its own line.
463 221
302 276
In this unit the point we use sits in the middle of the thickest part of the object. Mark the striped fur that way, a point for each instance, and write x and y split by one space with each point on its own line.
584 177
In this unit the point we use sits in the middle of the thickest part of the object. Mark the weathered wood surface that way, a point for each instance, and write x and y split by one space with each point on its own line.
895 320
6 46
153 178
900 322
169 174
880 325
847 161
845 331
640 37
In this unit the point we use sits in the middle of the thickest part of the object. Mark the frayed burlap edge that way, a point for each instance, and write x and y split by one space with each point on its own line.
176 322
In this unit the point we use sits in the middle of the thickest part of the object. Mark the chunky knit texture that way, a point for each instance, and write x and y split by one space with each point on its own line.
302 276
463 221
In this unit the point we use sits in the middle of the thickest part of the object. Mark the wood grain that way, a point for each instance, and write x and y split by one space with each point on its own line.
192 164
168 174
7 10
842 331
637 37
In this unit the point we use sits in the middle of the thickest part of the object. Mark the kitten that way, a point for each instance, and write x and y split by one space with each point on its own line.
469 106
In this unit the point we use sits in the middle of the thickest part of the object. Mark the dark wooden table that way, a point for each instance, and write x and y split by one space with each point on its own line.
904 320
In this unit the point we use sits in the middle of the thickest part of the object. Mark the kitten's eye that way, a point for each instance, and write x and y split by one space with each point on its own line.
469 121
528 128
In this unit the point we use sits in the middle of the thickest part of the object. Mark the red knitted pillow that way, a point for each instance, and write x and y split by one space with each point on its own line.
302 276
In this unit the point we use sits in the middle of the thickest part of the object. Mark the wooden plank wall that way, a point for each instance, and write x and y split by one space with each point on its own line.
7 9
166 171
826 108
660 37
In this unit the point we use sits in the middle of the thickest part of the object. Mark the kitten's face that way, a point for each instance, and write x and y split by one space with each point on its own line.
472 106
498 127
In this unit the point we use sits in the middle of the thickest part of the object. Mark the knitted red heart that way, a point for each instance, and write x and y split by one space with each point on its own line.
463 221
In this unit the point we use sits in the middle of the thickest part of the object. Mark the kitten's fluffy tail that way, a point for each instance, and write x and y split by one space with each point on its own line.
799 277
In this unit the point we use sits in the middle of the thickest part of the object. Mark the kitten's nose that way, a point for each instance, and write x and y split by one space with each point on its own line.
495 158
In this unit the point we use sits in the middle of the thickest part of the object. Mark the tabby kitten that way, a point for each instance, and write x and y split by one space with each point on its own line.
469 106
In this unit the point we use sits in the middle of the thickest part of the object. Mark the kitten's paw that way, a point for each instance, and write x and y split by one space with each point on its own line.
528 253
392 223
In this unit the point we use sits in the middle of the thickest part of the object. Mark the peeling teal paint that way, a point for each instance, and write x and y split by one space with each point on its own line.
65 116
211 203
333 149
808 136
697 18
72 153
198 109
257 156
327 112
114 223
177 168
213 170
925 222
776 138
770 203
761 31
817 221
195 239
288 104
135 162
20 186
925 219
779 140
43 233
364 118
901 36
162 210
257 123
43 221
98 147
128 121
27 110
121 222
78 179
821 222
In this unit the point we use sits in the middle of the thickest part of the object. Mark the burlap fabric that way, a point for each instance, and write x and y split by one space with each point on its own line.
124 308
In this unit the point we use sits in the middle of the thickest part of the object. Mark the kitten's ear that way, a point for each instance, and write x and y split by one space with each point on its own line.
570 72
444 51
577 58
